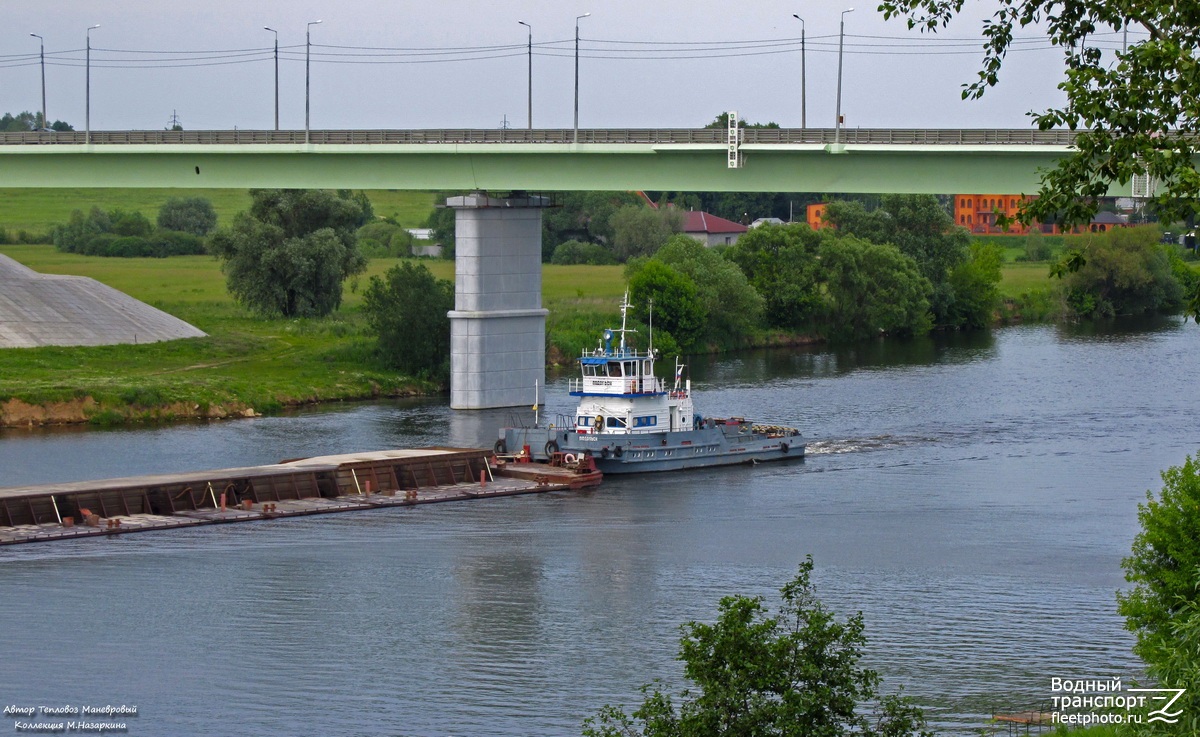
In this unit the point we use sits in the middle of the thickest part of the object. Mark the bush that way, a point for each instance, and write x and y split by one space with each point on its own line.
1125 271
193 215
578 252
1037 248
407 311
177 243
129 223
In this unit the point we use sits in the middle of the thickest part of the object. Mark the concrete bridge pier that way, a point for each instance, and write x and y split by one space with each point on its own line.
497 326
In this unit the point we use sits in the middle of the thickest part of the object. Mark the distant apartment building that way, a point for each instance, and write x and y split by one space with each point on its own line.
979 214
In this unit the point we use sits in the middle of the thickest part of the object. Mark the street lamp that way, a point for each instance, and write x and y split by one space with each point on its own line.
307 54
530 71
87 87
272 30
42 54
577 19
803 70
837 129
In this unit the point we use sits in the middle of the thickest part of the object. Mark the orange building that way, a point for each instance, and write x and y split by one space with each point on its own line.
978 213
816 216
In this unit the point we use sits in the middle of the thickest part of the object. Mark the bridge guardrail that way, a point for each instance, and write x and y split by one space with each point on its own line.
653 136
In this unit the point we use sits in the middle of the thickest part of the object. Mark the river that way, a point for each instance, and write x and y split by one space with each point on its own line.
972 495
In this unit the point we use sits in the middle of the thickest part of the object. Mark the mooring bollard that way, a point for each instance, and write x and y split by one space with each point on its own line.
222 501
483 479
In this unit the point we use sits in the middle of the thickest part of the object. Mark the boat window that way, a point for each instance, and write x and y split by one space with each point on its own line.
615 422
584 421
631 368
589 370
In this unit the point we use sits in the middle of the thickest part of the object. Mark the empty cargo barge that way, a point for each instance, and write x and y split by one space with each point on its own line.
338 483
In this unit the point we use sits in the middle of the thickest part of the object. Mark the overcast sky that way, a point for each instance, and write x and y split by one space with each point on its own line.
907 80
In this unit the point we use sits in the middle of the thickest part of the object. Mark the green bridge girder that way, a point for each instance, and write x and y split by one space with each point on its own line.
767 167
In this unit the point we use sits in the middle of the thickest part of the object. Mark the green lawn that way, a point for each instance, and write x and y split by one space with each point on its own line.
246 360
39 210
1021 278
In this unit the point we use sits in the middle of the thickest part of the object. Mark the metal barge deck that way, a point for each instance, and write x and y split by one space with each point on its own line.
339 483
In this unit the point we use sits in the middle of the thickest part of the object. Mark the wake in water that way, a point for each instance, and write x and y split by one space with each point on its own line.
863 445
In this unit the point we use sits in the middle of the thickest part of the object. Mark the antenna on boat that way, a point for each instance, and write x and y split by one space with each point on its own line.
624 309
650 350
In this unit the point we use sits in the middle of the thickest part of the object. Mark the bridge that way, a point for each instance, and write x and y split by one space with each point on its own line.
703 160
498 324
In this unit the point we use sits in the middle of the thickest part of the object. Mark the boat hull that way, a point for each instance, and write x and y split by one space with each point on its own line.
617 453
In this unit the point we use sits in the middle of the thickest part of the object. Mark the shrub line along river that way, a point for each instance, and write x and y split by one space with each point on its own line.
972 495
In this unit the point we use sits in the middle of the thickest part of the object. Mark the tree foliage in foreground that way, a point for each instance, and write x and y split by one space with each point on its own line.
1136 115
289 255
1163 607
792 673
406 309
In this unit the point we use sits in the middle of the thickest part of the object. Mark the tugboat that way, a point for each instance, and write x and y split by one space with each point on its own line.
629 421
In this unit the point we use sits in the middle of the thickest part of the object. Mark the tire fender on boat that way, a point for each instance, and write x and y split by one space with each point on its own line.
551 448
618 452
501 447
783 447
604 452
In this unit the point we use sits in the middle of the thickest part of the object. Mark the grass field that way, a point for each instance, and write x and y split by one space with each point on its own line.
246 361
39 210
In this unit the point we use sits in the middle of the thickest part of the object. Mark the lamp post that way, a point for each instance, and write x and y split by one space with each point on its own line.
42 55
577 19
307 54
803 71
272 30
530 71
837 130
87 89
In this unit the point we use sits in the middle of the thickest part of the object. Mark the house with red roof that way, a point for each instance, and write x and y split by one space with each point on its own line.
710 229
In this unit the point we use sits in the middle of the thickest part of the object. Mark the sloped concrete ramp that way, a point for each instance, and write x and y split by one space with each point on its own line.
46 309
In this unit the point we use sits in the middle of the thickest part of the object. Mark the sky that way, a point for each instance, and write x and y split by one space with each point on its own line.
892 78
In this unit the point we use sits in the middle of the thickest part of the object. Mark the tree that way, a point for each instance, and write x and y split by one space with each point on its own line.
722 122
795 673
291 252
640 231
678 309
407 311
1125 271
1136 115
872 289
733 307
193 215
1163 607
27 121
921 228
781 263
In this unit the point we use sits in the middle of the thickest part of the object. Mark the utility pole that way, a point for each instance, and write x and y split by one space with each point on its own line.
272 30
530 71
42 56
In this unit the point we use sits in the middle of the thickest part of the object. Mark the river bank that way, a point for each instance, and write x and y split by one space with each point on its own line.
250 365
